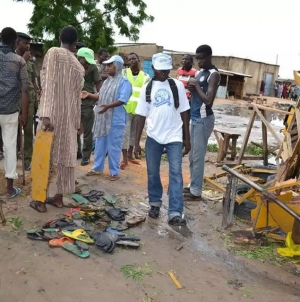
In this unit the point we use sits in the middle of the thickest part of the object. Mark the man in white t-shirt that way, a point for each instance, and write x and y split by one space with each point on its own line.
166 109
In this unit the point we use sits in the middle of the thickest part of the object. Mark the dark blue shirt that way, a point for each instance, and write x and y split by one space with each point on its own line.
198 108
13 72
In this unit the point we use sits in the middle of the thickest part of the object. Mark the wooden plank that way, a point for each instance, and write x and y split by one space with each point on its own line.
246 138
214 184
222 174
263 119
217 137
297 112
271 109
40 165
264 139
227 132
253 157
220 152
289 144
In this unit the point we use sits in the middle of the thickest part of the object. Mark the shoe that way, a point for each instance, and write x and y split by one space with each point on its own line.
154 212
79 155
27 167
85 162
177 221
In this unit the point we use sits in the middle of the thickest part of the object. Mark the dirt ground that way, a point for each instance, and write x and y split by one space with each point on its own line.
31 271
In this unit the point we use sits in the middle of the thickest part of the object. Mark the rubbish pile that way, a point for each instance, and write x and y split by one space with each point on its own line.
93 219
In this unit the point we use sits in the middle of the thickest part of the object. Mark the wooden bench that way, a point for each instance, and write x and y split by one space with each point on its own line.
227 144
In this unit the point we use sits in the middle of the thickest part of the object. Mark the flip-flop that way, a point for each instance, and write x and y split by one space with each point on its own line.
34 205
44 234
119 225
110 230
17 191
134 161
36 235
114 177
92 193
50 202
123 165
77 190
71 211
135 220
82 245
109 200
128 243
80 235
94 173
131 238
115 214
104 242
76 250
59 242
79 199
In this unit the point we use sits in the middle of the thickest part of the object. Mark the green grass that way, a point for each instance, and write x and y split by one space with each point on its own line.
136 272
15 222
250 149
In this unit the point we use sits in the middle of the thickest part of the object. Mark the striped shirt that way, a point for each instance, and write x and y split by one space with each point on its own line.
61 81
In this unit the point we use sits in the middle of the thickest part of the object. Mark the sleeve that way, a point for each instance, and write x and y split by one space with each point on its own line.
184 104
124 91
147 78
96 74
23 72
48 84
142 106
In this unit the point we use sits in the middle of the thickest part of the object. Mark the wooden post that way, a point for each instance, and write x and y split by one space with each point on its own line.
264 139
226 201
246 138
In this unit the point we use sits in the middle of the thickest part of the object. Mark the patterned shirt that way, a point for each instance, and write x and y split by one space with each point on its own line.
13 74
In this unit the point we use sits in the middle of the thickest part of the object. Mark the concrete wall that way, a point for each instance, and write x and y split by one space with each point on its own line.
240 65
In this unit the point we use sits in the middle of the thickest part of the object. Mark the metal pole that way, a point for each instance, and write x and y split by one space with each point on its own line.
269 195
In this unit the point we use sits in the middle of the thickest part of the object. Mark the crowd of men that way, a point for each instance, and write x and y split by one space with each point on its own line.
109 105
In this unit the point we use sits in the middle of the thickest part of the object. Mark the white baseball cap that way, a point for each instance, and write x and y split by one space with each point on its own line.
114 58
162 61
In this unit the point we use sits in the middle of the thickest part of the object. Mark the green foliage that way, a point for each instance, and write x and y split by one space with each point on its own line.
212 148
15 222
93 19
251 149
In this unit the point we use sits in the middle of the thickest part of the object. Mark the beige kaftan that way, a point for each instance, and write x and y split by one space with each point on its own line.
61 81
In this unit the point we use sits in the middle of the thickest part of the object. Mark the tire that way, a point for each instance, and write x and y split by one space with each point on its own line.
263 175
244 209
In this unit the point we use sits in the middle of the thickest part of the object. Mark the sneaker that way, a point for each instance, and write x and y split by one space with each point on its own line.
154 212
85 162
27 167
177 221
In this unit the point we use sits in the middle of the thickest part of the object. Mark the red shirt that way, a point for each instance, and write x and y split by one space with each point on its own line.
183 76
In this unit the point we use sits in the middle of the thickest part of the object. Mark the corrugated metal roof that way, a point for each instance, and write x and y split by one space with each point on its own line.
233 73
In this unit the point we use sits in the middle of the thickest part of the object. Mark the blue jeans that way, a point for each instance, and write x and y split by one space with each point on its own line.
154 151
110 144
201 130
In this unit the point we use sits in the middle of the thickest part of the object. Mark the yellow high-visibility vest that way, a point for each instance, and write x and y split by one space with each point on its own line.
137 83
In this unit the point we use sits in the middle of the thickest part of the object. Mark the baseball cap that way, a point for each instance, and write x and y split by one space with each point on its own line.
114 58
79 45
88 54
162 61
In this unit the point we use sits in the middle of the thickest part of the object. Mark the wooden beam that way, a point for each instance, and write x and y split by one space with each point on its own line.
222 174
246 138
264 139
271 109
263 119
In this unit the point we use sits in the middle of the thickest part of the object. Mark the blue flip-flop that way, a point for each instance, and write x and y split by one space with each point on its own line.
17 191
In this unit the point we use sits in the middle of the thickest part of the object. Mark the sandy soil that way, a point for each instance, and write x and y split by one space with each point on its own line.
31 271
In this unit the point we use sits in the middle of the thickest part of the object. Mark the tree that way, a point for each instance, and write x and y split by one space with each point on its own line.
93 20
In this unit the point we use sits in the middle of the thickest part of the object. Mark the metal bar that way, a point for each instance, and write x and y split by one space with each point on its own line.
262 190
226 201
232 200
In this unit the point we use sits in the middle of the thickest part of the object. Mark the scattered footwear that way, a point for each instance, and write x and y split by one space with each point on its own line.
16 192
85 162
128 243
94 173
80 199
27 167
102 241
60 241
135 220
177 221
109 200
82 245
115 214
76 250
111 236
93 195
119 225
80 235
154 212
191 197
110 230
123 165
51 202
77 190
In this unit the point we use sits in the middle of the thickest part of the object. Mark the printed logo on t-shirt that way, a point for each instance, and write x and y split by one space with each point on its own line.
162 97
202 79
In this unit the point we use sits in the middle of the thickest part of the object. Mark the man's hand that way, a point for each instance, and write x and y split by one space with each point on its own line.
26 55
84 94
47 124
104 109
187 146
22 120
138 151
